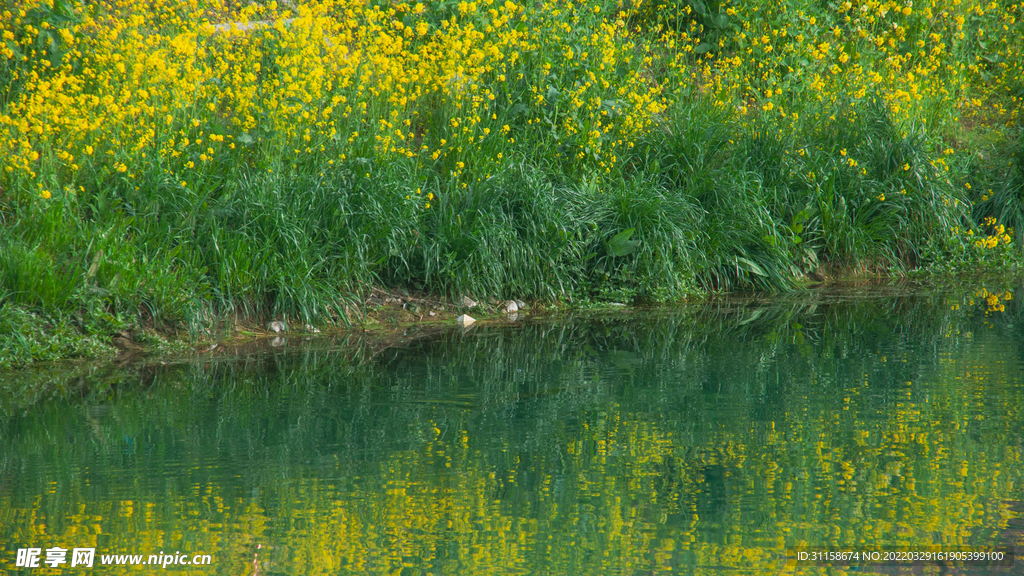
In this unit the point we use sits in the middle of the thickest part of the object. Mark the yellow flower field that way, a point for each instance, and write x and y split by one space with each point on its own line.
190 158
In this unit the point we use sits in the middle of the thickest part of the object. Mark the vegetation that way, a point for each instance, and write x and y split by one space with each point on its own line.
165 164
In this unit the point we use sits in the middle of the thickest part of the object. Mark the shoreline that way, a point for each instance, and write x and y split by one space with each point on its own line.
387 321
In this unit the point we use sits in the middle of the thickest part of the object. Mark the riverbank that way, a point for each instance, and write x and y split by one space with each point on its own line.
392 319
963 308
162 174
384 318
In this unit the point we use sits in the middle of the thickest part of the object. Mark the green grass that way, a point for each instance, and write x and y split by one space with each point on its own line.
703 200
704 204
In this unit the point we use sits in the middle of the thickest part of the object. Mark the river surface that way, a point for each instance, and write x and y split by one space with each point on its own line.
719 438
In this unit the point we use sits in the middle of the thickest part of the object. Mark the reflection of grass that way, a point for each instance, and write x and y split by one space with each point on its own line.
716 437
803 320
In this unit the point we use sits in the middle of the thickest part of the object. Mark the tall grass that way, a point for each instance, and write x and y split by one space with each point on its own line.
161 172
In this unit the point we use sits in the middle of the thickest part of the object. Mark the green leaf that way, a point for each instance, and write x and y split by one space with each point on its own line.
95 266
613 107
750 266
621 245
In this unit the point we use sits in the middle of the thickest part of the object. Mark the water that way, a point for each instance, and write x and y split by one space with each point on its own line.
701 440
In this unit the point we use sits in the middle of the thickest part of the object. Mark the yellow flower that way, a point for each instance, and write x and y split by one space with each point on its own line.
45 194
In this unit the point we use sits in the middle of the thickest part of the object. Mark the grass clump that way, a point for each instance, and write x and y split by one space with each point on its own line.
165 164
25 337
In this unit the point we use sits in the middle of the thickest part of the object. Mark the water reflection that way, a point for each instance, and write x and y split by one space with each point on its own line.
706 441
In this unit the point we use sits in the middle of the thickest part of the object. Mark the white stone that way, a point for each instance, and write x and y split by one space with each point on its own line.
465 320
511 307
468 302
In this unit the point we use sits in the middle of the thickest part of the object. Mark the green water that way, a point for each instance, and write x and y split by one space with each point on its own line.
699 440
